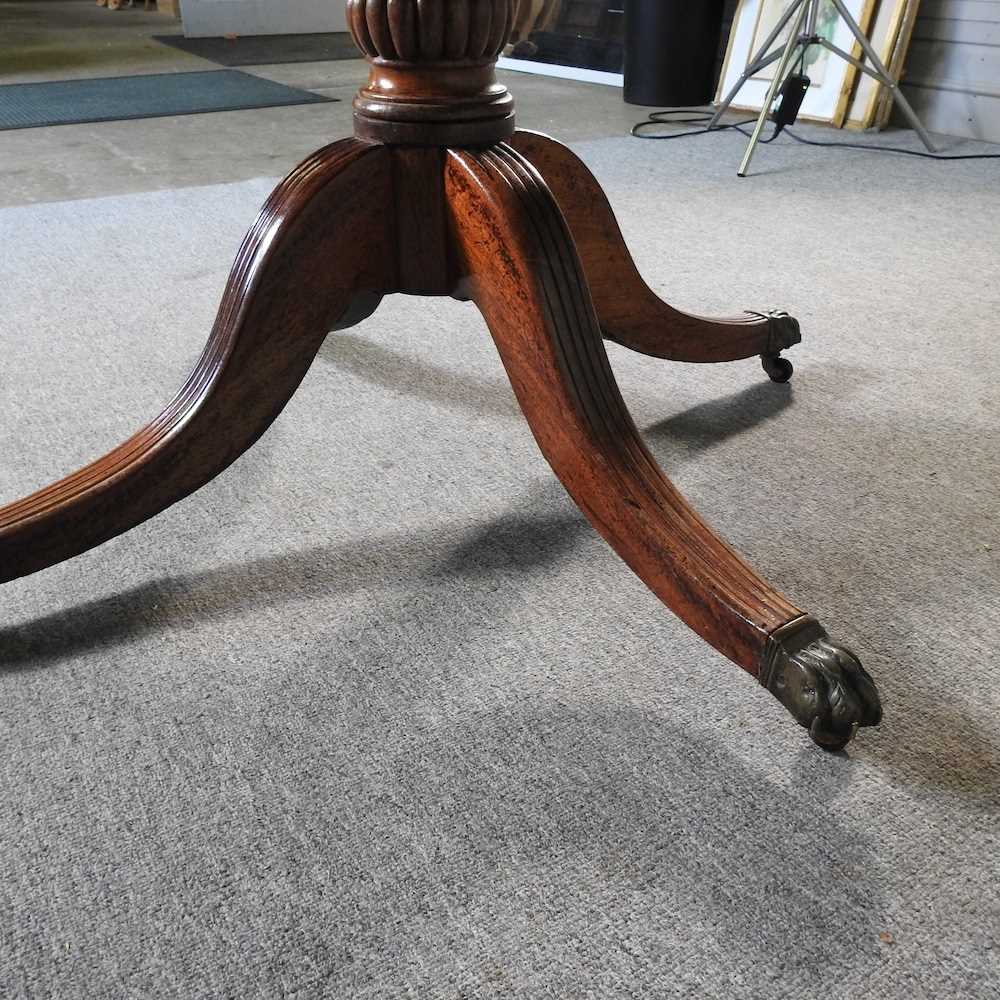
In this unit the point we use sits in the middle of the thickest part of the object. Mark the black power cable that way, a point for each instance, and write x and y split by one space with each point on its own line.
657 118
892 149
695 118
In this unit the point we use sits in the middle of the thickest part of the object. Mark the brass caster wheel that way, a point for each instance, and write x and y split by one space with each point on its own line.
778 369
832 743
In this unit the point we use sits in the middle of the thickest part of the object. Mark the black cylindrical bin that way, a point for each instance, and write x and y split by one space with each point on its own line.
670 51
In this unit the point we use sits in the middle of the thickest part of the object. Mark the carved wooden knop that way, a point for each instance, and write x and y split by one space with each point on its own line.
433 71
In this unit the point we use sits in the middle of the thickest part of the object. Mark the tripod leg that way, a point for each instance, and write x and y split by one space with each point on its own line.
316 257
526 278
630 313
759 61
794 41
886 79
750 71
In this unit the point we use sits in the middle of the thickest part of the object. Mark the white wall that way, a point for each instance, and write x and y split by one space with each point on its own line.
953 68
212 18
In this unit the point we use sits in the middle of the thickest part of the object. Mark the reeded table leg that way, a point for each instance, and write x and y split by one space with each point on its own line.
629 312
430 199
526 278
316 257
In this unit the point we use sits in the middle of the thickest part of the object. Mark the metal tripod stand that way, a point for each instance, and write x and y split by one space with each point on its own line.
804 15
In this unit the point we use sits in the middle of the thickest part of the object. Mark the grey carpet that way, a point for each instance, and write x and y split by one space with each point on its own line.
156 95
376 714
267 50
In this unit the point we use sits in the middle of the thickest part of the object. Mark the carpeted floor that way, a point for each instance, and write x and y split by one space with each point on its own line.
377 715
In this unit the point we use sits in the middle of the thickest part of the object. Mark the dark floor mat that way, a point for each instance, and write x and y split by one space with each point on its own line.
67 102
260 50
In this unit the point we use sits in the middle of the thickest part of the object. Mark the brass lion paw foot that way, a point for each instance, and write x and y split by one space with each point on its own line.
821 683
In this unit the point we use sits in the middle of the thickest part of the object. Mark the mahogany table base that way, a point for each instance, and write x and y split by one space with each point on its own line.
520 227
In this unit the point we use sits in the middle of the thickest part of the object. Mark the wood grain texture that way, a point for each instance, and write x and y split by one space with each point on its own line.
628 310
432 74
429 200
526 277
423 252
320 252
431 30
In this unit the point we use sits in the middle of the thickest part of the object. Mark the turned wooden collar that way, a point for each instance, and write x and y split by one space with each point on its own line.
432 75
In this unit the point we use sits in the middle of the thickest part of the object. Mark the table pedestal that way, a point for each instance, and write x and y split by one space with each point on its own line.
437 194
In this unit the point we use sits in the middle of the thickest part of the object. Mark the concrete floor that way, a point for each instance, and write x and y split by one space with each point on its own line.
69 39
66 39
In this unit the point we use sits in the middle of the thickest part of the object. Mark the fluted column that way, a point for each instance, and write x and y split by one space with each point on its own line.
433 78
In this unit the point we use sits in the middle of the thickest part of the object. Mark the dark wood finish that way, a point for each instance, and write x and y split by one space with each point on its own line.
505 224
283 297
433 78
527 280
424 258
629 311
